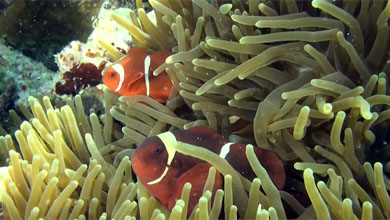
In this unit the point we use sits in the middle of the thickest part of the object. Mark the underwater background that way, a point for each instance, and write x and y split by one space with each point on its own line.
307 80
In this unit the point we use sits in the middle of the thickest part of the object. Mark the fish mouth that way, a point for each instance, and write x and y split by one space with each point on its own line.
132 155
135 162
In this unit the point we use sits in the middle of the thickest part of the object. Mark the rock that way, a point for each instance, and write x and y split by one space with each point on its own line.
41 28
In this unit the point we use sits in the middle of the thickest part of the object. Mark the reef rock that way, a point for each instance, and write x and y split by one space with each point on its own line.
40 28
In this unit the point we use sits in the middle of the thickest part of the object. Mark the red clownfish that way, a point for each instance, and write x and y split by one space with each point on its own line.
134 75
164 171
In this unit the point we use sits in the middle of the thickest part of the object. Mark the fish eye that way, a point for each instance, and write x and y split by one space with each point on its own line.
113 74
157 150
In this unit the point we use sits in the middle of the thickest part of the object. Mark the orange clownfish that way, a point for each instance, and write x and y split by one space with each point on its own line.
164 171
134 75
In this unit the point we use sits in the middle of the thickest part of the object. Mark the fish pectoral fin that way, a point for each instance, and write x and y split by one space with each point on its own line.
135 77
197 176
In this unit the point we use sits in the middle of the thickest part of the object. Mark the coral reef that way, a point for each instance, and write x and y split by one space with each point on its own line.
40 29
7 97
4 5
20 77
308 78
79 77
30 77
80 65
120 4
77 53
78 62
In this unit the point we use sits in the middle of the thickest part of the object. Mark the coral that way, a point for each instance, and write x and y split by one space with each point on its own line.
76 53
20 77
79 77
30 77
317 85
120 4
7 97
111 32
92 98
63 154
55 154
4 5
80 64
345 208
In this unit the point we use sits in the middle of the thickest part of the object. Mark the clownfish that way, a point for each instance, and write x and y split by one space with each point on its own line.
164 171
134 75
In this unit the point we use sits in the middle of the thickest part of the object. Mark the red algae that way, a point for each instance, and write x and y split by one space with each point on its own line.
79 77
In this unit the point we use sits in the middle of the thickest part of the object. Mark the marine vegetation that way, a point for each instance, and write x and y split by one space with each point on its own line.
307 80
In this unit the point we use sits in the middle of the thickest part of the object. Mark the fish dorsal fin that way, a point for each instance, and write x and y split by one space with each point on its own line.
206 131
134 64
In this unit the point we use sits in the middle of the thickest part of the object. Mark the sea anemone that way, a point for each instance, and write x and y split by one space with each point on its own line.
308 78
